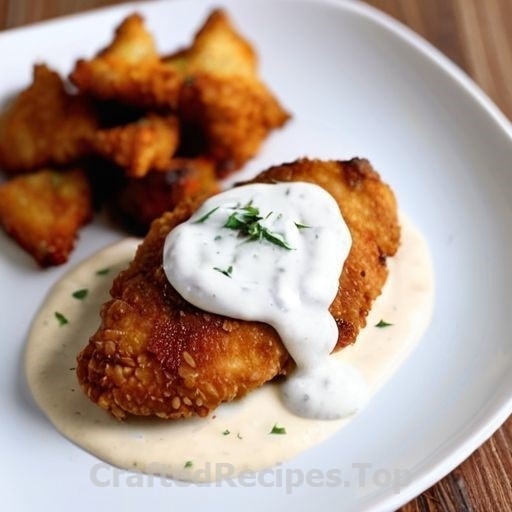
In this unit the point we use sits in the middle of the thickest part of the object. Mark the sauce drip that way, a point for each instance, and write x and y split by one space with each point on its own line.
274 253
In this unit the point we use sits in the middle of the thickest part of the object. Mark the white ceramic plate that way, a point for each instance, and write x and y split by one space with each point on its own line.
358 84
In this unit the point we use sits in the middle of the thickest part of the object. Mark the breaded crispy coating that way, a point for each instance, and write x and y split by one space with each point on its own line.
45 125
370 212
43 211
223 97
156 354
233 117
193 117
141 201
129 70
219 49
139 147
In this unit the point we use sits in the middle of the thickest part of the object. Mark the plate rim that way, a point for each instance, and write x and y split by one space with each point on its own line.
435 471
482 430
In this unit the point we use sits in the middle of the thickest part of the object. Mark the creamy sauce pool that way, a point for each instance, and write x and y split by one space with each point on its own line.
274 253
238 433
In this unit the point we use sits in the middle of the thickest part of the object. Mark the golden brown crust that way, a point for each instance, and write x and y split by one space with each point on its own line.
43 211
136 113
45 125
139 147
140 201
233 116
219 49
369 209
129 70
222 96
155 354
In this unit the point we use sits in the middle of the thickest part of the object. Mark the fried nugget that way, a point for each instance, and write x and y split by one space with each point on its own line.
147 144
129 70
223 98
43 211
219 49
45 125
156 354
140 201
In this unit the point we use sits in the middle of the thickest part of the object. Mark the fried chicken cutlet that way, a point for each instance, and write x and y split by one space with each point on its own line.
156 354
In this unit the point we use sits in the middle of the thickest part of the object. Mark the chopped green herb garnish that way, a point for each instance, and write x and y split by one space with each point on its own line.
382 324
275 239
247 221
227 272
61 318
233 222
239 436
205 217
188 464
277 430
302 226
226 432
80 294
102 271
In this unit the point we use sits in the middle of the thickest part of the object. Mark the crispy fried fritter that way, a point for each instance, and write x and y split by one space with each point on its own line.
43 211
156 354
217 49
45 125
232 116
129 70
141 201
139 147
222 96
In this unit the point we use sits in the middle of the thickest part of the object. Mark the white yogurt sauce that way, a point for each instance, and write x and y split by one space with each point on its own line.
236 437
274 253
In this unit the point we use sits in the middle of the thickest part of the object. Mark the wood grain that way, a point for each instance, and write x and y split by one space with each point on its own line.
476 35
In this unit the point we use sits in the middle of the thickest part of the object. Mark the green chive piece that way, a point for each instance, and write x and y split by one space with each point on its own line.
277 430
206 216
102 272
233 222
80 294
276 239
61 318
226 432
188 464
382 324
247 221
227 272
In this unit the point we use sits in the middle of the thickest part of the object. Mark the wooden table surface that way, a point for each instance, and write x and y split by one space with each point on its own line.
477 35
